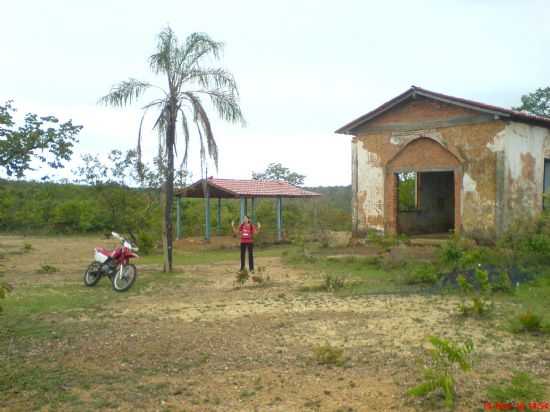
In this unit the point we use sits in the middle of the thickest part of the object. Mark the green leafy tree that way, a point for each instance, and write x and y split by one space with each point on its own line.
276 171
128 209
537 102
41 139
189 80
407 191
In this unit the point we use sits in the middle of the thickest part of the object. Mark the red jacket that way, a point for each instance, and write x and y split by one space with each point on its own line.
247 232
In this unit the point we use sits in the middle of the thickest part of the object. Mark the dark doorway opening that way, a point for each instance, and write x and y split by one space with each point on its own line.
426 202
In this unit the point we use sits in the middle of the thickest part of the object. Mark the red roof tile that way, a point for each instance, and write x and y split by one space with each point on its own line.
247 188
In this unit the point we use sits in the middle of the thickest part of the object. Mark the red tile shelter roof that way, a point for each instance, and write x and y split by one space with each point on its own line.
414 91
231 188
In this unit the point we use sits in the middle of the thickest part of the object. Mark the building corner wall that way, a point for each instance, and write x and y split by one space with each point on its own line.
354 204
521 150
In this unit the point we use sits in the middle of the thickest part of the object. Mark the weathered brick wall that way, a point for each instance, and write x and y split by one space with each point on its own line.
457 139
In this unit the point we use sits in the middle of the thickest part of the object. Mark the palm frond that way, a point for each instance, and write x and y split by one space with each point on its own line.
163 60
217 78
124 93
185 128
226 104
197 46
203 123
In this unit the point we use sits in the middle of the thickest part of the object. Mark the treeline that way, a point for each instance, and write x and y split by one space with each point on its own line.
43 207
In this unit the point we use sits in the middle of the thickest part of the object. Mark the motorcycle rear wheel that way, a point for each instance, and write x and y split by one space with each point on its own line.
92 274
123 280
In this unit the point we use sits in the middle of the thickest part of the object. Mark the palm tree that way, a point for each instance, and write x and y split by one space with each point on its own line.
189 80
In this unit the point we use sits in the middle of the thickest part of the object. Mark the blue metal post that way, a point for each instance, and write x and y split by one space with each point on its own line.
279 219
207 216
243 209
178 217
219 218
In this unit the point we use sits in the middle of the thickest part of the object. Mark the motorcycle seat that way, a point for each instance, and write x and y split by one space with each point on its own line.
104 251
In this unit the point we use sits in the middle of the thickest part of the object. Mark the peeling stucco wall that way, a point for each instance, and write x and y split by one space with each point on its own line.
522 149
462 132
370 190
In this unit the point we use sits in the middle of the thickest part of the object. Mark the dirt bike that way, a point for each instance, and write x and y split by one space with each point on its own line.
113 264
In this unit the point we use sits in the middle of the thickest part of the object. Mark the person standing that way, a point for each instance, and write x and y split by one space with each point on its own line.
246 231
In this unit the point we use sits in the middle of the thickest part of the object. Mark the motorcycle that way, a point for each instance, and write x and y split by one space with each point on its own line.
113 264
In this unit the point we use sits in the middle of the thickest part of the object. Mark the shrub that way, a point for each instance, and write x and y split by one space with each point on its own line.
5 288
445 357
527 322
421 274
27 247
502 283
451 253
242 277
329 355
529 240
480 300
47 269
333 283
521 388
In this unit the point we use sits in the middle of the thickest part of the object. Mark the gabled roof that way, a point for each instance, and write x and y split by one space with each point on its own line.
232 188
414 91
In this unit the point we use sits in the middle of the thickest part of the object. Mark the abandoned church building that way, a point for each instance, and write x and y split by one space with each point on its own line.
426 162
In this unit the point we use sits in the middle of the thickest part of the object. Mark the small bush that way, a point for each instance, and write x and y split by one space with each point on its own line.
27 247
445 357
47 269
242 277
333 283
528 322
521 388
502 283
5 288
451 253
329 355
480 301
421 274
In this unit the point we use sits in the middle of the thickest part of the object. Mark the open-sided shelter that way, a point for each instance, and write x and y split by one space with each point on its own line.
241 189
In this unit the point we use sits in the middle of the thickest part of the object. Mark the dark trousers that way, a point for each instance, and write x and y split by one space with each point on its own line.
250 247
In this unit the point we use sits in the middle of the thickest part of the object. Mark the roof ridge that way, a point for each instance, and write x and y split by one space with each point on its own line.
470 104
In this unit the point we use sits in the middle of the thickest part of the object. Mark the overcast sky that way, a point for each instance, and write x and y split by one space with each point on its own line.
304 68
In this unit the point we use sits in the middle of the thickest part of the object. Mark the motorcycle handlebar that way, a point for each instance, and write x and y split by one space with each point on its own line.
117 236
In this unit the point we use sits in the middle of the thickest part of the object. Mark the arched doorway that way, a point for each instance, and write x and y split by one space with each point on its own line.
423 184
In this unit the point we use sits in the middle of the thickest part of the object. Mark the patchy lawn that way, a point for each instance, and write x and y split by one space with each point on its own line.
195 341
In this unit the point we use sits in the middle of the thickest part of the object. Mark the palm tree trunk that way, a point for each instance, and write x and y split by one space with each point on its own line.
169 187
164 238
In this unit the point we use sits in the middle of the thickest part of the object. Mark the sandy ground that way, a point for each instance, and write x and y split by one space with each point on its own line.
204 344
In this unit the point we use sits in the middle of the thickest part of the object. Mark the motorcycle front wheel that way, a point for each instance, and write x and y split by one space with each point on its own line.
92 274
125 278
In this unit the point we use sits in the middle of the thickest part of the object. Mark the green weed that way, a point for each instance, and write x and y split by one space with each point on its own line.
528 322
445 358
521 388
329 355
47 269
